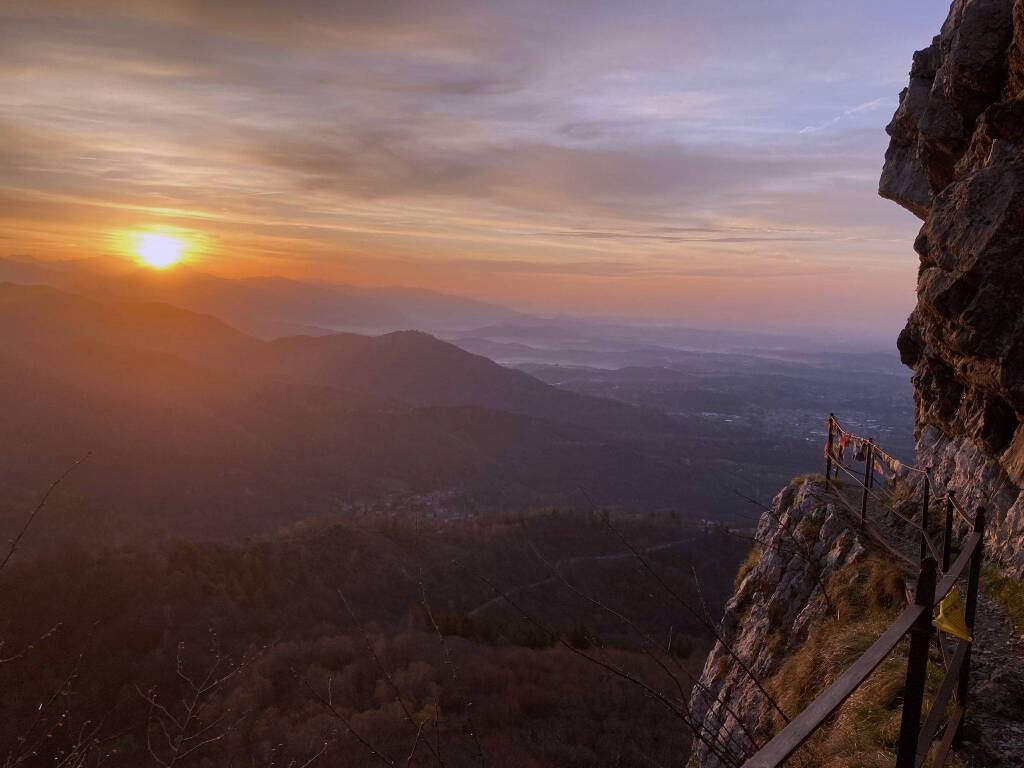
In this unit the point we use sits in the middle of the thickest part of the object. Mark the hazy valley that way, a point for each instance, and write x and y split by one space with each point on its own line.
270 432
396 471
511 385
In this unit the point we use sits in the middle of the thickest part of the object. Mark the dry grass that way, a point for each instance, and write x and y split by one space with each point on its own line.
904 494
806 533
1007 590
817 478
867 597
753 557
864 731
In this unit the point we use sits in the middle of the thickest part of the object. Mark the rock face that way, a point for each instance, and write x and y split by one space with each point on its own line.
805 540
956 160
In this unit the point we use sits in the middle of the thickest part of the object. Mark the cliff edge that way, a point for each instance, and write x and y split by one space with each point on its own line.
816 592
956 160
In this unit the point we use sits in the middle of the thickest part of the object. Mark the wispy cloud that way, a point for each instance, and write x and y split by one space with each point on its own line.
355 140
868 106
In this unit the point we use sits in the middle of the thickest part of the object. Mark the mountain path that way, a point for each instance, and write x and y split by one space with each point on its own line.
995 709
994 736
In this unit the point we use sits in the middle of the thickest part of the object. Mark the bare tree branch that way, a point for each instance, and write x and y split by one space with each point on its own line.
613 669
449 661
37 509
387 675
675 595
188 732
327 702
652 644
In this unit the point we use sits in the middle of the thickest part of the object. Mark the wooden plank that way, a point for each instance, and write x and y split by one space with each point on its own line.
947 533
931 725
789 739
917 668
926 543
973 583
947 737
963 513
958 568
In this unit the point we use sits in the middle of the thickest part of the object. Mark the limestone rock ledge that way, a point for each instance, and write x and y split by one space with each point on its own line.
776 603
958 463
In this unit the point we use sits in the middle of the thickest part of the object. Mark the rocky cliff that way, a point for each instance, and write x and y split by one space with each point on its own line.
956 160
815 593
781 595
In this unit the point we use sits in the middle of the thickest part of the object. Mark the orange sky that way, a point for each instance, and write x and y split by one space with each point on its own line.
554 157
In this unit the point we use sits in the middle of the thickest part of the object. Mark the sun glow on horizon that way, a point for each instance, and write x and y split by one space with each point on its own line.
159 251
158 248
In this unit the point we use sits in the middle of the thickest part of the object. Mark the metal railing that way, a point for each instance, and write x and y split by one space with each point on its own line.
916 620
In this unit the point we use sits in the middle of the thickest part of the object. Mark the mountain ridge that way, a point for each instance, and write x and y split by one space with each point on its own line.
265 306
277 430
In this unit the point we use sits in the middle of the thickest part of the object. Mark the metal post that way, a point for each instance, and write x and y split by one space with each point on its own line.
947 538
868 458
828 450
917 667
924 517
974 576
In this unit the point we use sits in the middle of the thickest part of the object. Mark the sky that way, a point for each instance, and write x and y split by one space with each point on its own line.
712 162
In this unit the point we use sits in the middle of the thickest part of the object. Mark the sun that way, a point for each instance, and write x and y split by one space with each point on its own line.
158 247
159 251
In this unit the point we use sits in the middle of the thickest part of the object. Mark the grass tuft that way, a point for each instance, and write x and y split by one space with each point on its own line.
867 596
753 557
1005 589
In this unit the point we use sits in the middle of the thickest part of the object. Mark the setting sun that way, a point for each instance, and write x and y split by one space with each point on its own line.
159 251
158 247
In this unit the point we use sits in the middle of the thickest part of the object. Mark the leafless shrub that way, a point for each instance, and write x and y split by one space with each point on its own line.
190 721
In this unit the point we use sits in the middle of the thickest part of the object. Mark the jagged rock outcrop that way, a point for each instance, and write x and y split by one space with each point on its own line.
956 160
804 541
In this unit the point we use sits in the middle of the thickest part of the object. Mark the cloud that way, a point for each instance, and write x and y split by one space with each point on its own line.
867 106
881 101
364 136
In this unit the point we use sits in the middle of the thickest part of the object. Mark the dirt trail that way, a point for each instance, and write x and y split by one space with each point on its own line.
994 735
995 731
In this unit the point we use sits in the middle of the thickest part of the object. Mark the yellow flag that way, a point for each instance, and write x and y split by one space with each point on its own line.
951 616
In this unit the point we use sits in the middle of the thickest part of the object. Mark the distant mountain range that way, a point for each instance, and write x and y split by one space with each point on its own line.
217 407
267 307
271 307
603 344
199 428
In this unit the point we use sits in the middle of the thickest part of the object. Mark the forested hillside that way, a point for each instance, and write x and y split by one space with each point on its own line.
382 619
